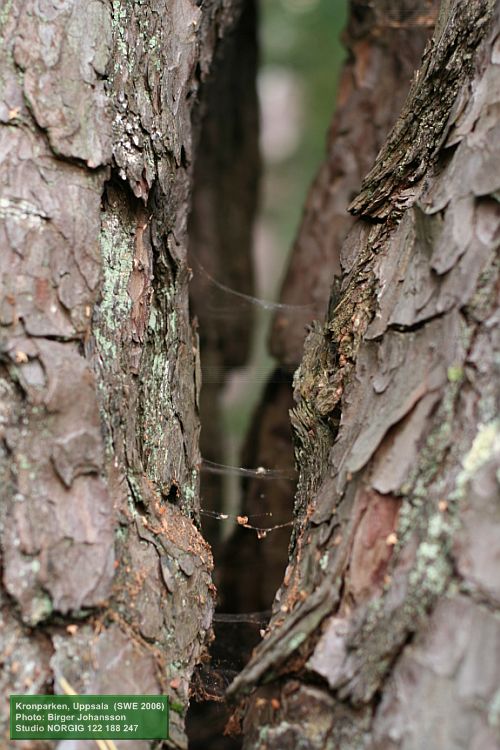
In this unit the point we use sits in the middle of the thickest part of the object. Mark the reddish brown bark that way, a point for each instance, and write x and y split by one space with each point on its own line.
388 607
106 579
384 42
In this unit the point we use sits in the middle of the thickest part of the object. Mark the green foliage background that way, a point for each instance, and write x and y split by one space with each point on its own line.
303 37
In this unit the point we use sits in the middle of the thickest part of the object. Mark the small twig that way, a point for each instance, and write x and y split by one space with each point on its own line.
101 744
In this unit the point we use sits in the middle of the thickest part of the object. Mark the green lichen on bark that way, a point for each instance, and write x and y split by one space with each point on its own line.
97 343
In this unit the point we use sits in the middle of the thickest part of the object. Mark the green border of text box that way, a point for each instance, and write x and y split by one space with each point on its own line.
151 734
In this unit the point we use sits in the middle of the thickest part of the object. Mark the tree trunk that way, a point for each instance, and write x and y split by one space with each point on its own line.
384 42
385 632
101 550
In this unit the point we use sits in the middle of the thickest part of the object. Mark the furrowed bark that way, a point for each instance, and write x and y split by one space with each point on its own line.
386 624
384 42
106 578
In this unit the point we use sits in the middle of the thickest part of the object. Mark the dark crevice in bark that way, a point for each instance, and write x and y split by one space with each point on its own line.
401 328
225 187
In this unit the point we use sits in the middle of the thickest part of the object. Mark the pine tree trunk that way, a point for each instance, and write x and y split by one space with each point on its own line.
106 577
385 632
384 43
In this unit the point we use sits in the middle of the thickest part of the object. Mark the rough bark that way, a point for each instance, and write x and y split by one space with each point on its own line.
386 633
384 42
106 578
